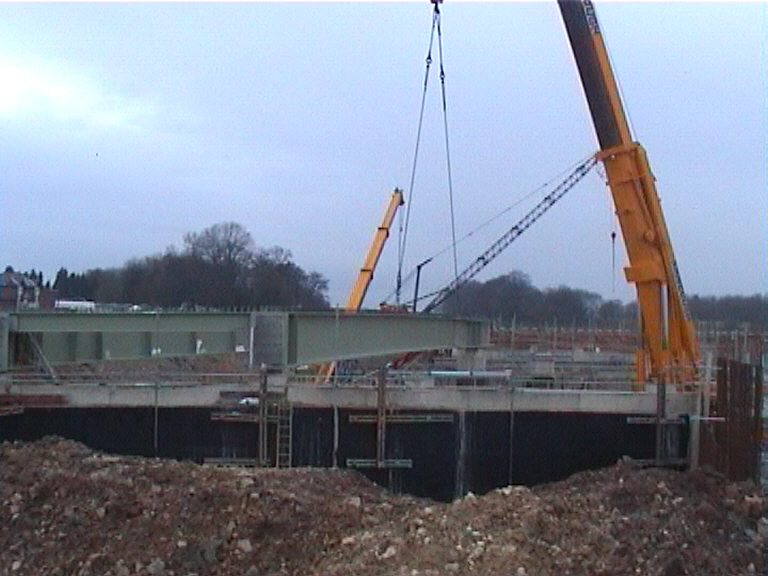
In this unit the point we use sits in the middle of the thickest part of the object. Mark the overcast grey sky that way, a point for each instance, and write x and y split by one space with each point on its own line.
126 125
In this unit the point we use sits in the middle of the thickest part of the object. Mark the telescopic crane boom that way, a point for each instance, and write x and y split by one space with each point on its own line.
365 276
670 351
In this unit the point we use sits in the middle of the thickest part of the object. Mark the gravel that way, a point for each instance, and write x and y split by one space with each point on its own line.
68 510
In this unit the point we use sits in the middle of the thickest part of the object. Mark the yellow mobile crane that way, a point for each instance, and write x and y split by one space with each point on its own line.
364 278
670 350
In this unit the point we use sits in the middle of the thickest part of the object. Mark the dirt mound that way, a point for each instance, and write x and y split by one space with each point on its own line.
66 510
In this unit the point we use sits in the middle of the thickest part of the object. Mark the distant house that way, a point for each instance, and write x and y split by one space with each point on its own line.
20 292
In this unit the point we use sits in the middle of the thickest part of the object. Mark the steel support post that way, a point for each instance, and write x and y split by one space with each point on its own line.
251 338
156 437
381 418
263 413
511 437
661 418
461 454
694 444
335 436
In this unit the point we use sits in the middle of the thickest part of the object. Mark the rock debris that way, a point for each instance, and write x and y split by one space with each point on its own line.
68 510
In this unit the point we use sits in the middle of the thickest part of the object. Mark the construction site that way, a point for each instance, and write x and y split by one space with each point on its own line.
398 441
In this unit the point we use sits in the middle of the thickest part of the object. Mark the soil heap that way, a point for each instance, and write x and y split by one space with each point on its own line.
68 510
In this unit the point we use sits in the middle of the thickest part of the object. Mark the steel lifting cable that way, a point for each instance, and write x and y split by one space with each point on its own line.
404 234
563 174
447 147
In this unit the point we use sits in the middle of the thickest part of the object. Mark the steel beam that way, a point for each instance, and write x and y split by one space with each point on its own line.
278 339
315 338
92 336
49 322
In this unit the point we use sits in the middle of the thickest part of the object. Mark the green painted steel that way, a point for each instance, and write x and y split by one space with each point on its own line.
38 322
92 336
275 338
316 338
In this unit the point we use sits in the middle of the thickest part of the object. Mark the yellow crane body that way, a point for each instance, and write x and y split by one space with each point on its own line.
670 349
365 276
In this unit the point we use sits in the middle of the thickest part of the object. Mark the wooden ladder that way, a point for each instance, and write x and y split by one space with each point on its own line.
282 413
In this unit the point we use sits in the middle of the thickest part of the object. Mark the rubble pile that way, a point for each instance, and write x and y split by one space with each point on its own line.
67 510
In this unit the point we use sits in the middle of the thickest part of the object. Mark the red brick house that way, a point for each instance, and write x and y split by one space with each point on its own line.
20 292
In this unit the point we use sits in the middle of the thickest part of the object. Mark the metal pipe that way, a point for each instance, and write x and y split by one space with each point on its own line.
468 374
418 277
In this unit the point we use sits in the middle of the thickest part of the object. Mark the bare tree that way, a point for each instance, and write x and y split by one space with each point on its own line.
226 244
218 267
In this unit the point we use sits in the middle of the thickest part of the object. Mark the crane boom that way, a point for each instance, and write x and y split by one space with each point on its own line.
365 276
670 351
512 234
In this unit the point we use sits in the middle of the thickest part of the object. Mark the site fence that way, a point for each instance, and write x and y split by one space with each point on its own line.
731 440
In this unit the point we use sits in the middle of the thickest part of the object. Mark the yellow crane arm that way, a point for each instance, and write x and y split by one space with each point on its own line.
364 278
670 350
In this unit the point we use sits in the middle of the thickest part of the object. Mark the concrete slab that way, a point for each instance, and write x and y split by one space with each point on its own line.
493 399
147 394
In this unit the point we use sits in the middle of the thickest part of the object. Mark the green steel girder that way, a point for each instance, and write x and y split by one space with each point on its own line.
42 322
92 336
276 338
322 337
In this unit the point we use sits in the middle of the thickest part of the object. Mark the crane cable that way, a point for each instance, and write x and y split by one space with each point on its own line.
447 147
563 174
404 227
404 231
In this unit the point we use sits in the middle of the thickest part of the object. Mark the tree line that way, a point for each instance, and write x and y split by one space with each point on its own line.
513 298
219 267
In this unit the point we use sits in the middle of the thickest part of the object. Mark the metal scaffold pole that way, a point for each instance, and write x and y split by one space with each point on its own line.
263 454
